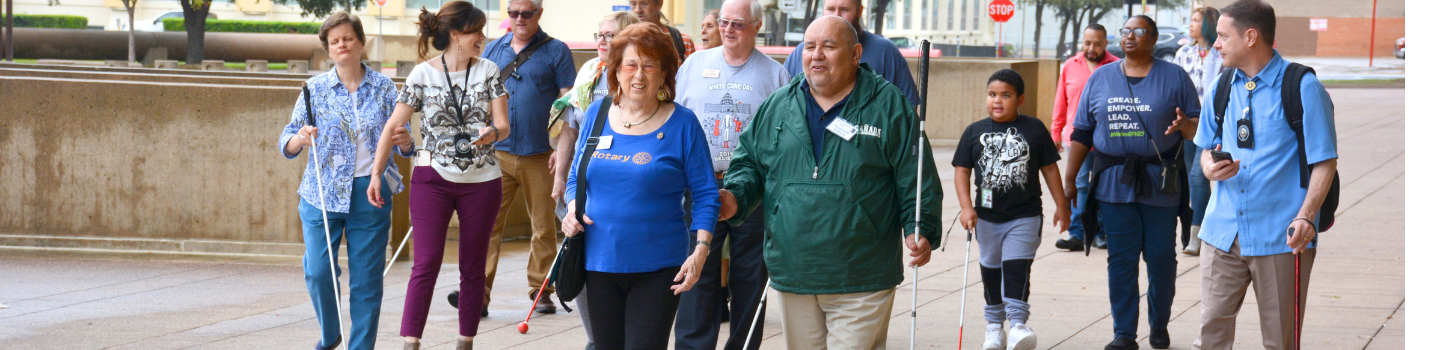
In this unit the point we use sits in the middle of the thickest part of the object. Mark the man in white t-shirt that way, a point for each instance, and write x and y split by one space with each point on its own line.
725 86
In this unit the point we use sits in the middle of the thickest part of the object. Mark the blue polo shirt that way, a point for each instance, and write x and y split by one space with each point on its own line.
818 118
1255 207
536 87
883 57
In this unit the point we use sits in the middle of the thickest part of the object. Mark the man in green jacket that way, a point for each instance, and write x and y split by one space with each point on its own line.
832 157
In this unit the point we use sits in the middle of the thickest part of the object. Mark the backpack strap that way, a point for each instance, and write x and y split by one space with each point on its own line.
1294 107
679 43
1222 100
590 143
523 56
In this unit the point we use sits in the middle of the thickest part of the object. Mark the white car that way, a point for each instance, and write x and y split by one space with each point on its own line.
157 24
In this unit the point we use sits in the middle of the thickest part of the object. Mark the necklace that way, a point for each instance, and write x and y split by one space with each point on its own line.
628 124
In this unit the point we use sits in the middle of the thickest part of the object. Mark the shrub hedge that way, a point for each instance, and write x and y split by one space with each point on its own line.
51 21
242 26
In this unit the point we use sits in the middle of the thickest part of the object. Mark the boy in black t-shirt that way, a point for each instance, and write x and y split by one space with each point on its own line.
1008 151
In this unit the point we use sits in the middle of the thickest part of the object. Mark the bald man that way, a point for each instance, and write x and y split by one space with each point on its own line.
881 54
831 157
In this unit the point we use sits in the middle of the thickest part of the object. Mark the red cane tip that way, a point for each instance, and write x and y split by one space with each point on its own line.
523 327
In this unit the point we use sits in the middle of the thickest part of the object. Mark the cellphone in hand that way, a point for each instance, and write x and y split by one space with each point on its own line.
1219 156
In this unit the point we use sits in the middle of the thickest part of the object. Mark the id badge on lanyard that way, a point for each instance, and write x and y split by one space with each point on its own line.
1245 126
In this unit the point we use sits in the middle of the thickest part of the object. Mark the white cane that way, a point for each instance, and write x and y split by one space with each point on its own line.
756 322
919 179
964 286
397 252
324 216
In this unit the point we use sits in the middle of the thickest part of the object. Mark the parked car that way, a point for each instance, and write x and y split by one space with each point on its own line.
1166 45
1400 48
157 24
904 42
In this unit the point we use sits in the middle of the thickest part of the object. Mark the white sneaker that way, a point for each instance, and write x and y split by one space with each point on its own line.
995 337
1194 247
1021 337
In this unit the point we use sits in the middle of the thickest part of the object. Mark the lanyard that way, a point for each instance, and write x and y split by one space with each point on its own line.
449 86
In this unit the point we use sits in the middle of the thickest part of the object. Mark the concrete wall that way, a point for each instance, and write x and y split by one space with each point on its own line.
1348 22
186 161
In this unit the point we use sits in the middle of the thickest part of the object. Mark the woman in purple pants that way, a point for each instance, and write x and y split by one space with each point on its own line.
462 103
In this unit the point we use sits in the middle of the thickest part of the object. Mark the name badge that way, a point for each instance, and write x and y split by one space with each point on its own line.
987 198
842 128
605 142
710 73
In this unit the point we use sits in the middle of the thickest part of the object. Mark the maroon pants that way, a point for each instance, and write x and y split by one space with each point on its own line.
432 202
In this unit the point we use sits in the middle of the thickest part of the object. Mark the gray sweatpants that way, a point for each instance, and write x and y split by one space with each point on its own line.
1007 245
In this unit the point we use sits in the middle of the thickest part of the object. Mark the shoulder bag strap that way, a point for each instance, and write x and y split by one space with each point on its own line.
523 56
590 143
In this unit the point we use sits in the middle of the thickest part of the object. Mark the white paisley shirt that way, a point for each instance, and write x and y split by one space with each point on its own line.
1202 70
429 91
339 132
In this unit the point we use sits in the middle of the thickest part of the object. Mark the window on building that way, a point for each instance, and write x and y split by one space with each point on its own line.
907 14
489 6
935 14
976 16
964 15
890 15
950 15
924 8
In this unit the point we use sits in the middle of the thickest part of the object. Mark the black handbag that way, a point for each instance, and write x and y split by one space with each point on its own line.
1170 169
570 270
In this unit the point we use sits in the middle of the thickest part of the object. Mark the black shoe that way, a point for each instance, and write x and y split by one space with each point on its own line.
320 345
484 311
1100 243
1123 344
1070 244
1160 339
454 298
545 306
725 314
589 346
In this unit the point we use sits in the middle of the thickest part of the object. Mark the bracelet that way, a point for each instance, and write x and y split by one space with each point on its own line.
706 243
1307 220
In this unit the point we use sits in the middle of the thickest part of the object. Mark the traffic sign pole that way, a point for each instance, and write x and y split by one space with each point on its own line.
1000 12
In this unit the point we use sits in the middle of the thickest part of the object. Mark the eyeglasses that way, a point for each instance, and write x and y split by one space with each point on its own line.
604 37
526 14
632 66
1138 32
724 23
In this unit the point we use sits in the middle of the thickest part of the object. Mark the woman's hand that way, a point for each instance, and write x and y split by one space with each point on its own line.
727 204
402 138
1070 192
373 192
690 271
487 136
967 219
304 137
571 225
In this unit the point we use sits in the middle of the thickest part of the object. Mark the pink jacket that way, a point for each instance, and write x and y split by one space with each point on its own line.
1067 93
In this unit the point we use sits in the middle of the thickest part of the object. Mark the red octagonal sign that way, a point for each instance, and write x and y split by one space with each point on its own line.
1001 10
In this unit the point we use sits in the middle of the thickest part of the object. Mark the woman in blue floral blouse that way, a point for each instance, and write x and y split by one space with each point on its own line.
351 104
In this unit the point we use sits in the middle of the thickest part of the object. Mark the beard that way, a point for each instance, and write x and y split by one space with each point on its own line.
1094 57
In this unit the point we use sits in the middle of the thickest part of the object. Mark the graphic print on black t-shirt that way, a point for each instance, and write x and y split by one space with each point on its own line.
1005 159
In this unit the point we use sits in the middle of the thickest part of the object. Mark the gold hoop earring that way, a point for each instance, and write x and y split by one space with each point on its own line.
661 95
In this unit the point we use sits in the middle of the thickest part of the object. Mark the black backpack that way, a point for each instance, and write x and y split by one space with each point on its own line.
1294 113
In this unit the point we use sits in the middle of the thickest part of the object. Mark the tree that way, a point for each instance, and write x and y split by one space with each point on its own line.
1039 20
321 8
195 13
878 10
130 10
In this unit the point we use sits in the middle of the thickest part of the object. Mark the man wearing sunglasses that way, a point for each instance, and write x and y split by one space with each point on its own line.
725 87
881 54
649 11
527 163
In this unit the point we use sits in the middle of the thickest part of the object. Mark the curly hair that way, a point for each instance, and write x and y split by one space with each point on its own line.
1009 76
649 41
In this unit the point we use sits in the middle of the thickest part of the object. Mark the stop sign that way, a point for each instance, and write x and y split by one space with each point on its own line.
1001 10
380 2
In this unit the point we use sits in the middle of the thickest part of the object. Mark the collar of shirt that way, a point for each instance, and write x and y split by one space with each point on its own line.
505 40
818 118
1268 76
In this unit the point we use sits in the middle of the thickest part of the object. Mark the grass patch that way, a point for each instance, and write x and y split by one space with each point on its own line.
241 66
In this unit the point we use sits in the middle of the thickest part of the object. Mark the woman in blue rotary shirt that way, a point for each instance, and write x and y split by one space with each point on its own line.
351 103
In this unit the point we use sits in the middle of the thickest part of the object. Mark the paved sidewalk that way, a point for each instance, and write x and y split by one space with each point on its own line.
60 300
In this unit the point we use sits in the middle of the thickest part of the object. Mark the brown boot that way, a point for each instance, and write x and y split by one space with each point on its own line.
545 306
462 344
412 346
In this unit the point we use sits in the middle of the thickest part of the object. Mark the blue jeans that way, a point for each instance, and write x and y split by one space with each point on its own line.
1199 185
366 230
1134 229
1082 183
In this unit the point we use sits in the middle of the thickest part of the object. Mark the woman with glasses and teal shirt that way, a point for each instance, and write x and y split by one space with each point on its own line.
350 104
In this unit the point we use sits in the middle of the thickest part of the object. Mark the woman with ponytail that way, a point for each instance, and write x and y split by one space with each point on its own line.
462 106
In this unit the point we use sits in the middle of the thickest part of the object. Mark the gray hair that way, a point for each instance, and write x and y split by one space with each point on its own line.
757 12
539 4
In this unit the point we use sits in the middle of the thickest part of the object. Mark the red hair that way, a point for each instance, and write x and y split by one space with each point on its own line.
650 41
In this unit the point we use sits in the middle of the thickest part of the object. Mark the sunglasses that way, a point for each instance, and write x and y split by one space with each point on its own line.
525 15
1138 32
725 23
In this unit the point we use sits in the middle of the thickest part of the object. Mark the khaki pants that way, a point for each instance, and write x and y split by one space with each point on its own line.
1222 289
857 321
527 176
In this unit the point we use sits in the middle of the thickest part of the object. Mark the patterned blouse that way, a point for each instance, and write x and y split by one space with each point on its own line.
1202 64
339 133
426 90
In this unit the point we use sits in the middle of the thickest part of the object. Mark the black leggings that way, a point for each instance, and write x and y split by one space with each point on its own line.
631 310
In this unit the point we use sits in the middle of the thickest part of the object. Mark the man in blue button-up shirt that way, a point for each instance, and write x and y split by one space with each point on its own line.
1258 196
526 160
